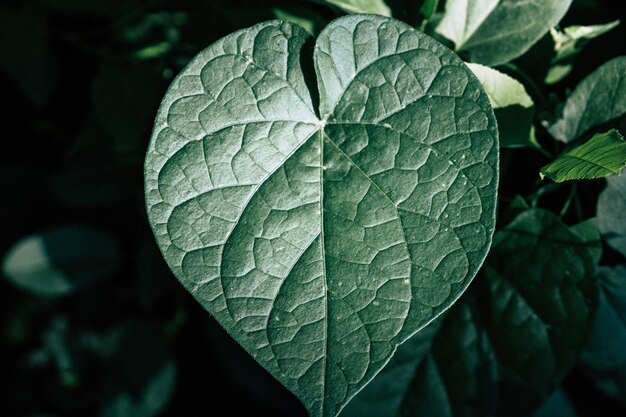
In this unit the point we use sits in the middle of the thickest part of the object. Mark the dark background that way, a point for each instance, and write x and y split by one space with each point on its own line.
82 80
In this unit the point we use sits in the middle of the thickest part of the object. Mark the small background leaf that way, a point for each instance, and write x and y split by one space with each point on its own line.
604 360
602 156
360 6
568 43
599 98
493 32
610 213
512 105
61 260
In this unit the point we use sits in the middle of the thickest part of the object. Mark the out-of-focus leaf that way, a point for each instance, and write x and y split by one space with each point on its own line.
588 231
511 103
599 98
363 206
151 402
540 306
158 392
25 56
493 32
558 405
60 260
152 275
90 176
605 358
611 213
428 8
517 207
509 342
120 406
125 101
601 156
458 376
360 6
142 374
57 346
308 18
84 182
568 43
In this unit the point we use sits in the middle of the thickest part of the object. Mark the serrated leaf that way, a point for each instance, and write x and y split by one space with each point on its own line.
599 98
322 243
602 156
513 107
568 43
58 261
510 341
493 32
610 213
604 360
360 6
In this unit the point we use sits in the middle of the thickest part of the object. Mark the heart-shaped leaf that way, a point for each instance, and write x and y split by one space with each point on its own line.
322 242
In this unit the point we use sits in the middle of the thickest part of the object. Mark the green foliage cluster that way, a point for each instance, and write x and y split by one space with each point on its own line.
396 208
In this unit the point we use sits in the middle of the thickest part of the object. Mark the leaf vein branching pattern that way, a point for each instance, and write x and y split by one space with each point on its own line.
320 245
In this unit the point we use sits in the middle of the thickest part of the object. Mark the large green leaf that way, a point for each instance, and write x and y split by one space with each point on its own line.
509 342
610 213
605 357
601 156
323 242
493 32
513 107
599 98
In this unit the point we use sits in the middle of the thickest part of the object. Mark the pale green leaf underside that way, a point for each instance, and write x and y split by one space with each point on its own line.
599 98
493 32
513 107
602 156
502 90
570 41
322 243
360 6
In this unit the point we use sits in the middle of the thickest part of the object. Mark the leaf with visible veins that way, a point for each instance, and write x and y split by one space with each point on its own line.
322 241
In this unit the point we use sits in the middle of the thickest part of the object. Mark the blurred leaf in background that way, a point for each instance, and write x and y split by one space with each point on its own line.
61 260
26 57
